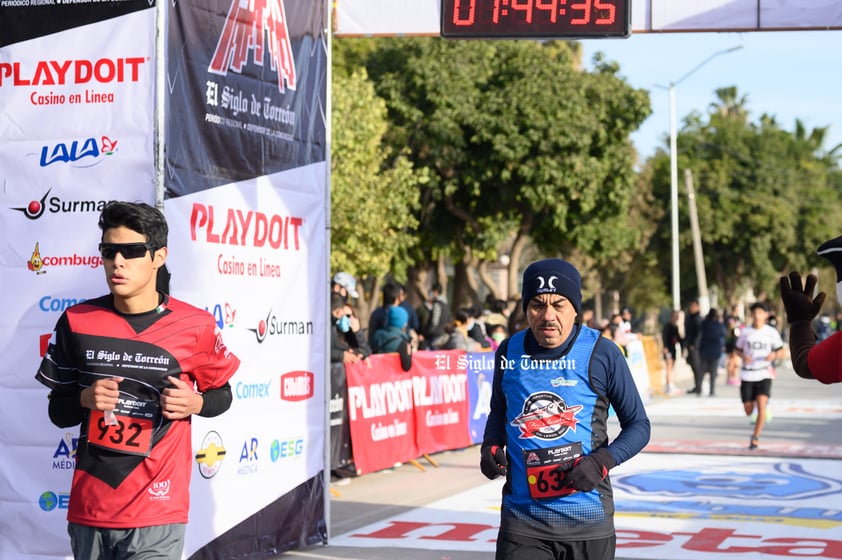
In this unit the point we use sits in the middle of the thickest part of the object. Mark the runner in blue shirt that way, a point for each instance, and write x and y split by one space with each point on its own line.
547 429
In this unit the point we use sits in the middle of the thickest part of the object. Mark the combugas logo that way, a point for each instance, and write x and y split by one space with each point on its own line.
35 262
38 263
246 26
56 205
210 456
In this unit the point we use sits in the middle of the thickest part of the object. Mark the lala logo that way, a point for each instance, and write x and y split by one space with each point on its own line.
248 22
160 490
78 150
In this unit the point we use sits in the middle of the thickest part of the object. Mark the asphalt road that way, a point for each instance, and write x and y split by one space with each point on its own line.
807 425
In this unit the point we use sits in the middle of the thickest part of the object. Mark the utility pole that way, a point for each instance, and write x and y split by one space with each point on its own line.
701 277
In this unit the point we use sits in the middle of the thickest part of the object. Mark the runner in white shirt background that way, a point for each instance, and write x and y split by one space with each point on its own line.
759 345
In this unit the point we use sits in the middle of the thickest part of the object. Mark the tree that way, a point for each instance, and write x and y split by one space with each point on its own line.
764 196
374 190
522 148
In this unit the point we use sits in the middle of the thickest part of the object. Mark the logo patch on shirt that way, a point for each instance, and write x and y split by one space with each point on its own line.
545 415
562 382
160 490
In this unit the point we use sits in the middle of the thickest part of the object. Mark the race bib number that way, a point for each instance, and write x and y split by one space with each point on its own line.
128 430
546 470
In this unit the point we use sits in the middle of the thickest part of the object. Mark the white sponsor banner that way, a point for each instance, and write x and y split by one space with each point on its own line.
253 254
76 130
422 17
703 508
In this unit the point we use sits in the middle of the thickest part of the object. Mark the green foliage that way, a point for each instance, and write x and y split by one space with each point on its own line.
374 193
766 198
516 139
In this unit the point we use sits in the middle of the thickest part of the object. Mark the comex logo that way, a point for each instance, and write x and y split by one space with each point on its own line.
245 28
88 149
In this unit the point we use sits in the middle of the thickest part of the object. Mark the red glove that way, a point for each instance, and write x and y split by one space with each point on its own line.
493 461
590 470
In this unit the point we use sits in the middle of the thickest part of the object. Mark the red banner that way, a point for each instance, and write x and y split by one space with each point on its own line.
396 416
381 413
440 383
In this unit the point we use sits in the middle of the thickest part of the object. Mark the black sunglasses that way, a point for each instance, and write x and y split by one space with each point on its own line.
128 250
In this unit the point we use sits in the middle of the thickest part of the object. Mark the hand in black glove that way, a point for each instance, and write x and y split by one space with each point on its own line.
590 470
798 301
493 461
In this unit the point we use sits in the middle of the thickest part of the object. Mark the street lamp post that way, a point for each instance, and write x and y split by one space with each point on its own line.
676 295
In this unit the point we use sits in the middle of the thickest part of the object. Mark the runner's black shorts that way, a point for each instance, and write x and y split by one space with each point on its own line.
519 547
750 390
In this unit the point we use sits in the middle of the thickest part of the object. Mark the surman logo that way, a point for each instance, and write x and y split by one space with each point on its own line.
247 24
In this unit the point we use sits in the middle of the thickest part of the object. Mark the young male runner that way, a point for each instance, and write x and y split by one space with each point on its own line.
131 368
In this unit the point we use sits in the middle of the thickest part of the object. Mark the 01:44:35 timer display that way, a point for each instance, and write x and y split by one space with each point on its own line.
536 19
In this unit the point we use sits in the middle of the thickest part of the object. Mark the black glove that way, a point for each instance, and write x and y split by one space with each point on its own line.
493 461
590 470
798 301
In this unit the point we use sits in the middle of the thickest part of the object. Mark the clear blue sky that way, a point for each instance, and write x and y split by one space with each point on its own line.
793 74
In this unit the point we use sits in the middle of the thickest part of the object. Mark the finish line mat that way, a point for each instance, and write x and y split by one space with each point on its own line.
703 507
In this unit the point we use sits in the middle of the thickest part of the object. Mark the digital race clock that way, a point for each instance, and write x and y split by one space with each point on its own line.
536 19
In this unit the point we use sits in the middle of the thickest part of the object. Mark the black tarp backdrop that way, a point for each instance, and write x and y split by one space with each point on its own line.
24 22
242 104
340 430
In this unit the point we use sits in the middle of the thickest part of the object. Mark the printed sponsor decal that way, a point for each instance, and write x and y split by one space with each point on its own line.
297 386
71 72
248 457
79 153
49 500
248 28
211 454
38 263
273 325
288 448
258 390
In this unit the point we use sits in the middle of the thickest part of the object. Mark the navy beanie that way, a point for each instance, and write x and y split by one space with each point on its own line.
552 276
